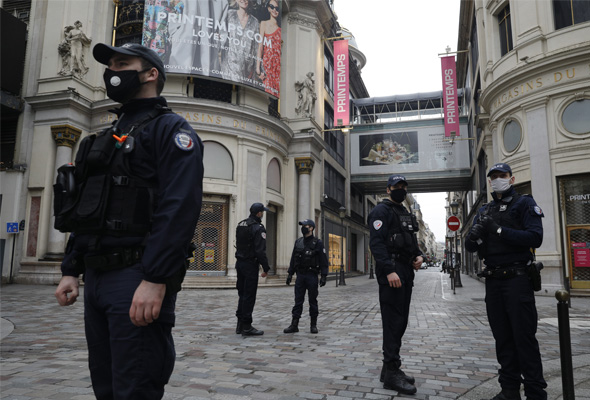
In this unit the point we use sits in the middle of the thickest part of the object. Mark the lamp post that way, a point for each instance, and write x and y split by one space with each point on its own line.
342 213
456 271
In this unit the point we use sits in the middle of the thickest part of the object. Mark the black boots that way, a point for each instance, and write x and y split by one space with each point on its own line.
408 378
507 394
395 379
239 327
313 327
293 327
249 330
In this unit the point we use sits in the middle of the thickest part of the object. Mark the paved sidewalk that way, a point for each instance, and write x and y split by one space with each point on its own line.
448 346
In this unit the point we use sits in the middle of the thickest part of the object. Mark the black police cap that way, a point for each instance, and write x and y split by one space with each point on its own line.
103 53
257 207
307 222
395 179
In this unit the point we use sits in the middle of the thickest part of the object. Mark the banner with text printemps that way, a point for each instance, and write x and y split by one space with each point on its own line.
341 84
218 39
450 97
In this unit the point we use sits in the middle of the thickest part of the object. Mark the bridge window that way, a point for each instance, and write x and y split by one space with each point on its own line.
576 117
218 162
505 30
512 136
570 12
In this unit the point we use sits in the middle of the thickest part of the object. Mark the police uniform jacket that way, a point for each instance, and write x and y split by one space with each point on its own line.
519 216
166 151
321 261
384 222
257 250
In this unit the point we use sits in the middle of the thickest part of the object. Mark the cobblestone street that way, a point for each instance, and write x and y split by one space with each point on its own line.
448 346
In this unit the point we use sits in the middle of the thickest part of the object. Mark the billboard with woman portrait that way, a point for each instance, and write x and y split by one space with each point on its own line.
234 40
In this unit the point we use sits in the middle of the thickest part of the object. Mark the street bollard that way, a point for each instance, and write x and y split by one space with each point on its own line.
371 275
342 282
565 345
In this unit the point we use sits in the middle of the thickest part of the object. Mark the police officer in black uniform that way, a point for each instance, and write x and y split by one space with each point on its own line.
250 254
505 233
395 248
308 260
132 201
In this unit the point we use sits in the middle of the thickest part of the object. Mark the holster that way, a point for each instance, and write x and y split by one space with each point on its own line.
534 273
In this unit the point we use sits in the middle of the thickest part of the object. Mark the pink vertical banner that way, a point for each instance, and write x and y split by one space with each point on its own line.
341 88
450 97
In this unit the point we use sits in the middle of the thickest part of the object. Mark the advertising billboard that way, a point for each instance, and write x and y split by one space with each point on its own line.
418 149
450 97
341 85
237 41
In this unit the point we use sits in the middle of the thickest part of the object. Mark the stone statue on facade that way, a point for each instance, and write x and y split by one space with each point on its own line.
306 96
71 51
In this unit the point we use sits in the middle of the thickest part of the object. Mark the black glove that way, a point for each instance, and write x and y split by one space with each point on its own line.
289 278
477 232
489 224
323 280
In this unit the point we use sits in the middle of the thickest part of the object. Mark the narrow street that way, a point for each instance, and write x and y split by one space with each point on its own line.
448 346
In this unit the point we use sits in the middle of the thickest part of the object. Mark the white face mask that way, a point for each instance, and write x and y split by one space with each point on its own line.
500 185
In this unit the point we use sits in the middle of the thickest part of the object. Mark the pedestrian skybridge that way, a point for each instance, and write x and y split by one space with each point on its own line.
405 135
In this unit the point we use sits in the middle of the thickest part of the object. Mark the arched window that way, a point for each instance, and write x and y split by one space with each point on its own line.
576 117
273 175
217 161
512 135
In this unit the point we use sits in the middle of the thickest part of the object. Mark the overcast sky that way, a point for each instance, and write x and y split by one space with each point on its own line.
401 41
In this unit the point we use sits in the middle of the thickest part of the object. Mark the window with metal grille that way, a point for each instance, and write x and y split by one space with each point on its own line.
211 239
505 30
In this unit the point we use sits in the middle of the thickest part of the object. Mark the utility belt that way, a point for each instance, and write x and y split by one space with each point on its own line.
505 271
115 259
305 270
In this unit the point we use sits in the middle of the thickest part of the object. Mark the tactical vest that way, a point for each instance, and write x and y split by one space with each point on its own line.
495 246
401 237
305 256
245 238
100 194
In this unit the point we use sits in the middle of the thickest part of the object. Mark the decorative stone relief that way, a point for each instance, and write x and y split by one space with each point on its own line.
65 135
304 165
306 96
71 50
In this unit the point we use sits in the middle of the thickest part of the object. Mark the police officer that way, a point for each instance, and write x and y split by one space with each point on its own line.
250 254
307 260
395 248
132 203
504 233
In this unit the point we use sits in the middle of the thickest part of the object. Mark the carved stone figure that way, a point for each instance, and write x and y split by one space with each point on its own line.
306 96
71 50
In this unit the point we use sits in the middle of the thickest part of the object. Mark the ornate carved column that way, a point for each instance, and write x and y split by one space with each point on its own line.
304 166
65 137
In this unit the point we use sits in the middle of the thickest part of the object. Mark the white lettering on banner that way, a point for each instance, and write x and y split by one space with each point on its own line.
341 90
449 97
575 197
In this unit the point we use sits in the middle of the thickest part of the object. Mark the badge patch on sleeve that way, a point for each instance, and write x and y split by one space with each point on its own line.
538 210
377 224
184 141
263 234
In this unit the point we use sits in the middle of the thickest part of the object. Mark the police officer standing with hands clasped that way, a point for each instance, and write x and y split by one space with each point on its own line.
132 201
250 254
308 260
505 233
395 248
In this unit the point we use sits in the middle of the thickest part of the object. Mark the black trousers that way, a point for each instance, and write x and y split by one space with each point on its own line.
126 362
307 281
512 314
247 286
395 311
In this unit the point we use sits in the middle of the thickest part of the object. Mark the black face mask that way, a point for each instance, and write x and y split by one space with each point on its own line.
122 86
398 195
304 230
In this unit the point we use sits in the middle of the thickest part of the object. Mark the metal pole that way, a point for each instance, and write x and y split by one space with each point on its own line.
452 266
12 258
565 345
458 270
